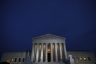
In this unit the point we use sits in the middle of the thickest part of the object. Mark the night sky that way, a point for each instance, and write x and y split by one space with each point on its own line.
23 19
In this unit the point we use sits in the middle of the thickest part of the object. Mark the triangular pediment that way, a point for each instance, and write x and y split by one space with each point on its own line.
48 36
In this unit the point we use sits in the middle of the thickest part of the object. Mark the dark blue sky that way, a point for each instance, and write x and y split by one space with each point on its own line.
23 19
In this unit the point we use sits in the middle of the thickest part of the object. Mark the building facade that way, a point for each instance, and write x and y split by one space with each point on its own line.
49 49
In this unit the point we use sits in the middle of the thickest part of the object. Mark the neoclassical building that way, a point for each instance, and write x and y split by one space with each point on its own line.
49 49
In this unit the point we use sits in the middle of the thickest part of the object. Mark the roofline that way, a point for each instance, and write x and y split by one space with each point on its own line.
47 35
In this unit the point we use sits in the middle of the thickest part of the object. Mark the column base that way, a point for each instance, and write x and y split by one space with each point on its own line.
50 63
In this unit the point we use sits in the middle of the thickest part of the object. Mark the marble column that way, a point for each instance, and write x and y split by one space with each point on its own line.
37 53
46 45
60 45
65 52
41 52
51 52
56 52
33 55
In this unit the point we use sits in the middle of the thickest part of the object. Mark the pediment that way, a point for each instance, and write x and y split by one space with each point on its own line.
48 36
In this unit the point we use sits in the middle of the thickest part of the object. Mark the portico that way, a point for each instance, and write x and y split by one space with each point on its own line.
48 48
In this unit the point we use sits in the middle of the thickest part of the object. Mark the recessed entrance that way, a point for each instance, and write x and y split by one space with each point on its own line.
49 53
49 57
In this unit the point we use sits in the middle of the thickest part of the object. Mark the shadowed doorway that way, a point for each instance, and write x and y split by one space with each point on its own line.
49 53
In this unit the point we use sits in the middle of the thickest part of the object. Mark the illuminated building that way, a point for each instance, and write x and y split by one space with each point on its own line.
47 49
